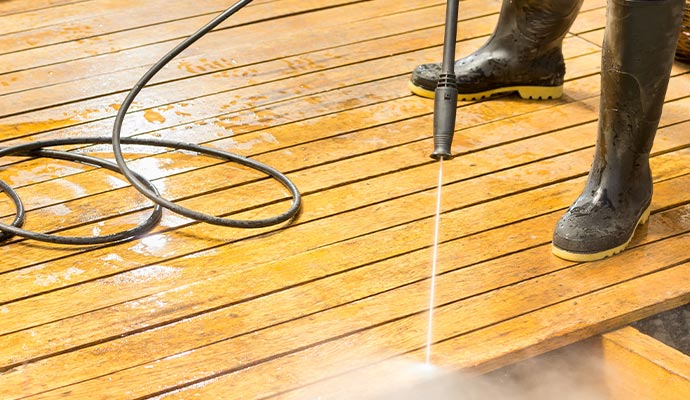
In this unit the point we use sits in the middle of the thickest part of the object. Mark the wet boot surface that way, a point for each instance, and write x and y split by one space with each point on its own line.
523 54
639 46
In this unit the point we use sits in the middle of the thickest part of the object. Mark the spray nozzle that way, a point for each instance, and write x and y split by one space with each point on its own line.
445 107
446 94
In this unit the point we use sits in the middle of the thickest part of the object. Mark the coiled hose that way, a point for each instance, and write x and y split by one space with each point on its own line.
38 149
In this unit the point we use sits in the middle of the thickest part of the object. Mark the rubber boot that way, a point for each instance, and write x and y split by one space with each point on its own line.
639 46
523 54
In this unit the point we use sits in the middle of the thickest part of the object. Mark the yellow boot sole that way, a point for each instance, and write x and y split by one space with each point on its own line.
585 257
526 92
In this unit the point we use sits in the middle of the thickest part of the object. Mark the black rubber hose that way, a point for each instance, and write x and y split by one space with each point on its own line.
20 213
117 148
33 147
141 184
142 228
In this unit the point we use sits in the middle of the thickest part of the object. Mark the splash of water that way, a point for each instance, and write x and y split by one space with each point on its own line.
434 262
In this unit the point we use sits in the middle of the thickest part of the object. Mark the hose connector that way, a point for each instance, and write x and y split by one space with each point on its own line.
445 108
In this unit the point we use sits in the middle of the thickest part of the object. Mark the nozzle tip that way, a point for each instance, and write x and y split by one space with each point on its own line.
441 155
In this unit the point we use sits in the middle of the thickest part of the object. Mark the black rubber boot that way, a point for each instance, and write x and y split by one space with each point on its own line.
523 54
639 46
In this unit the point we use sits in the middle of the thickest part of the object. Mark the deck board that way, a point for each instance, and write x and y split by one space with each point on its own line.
644 367
318 90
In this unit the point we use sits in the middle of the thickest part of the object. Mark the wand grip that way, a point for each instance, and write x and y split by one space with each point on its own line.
446 94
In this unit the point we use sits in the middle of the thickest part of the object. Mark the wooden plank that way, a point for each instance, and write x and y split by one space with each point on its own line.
209 84
125 16
71 14
251 309
518 148
272 308
203 309
242 44
285 111
589 19
641 367
286 164
381 341
414 148
19 6
30 77
10 102
127 39
236 130
93 29
539 330
56 15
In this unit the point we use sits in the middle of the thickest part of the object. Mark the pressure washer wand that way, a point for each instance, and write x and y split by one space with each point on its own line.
446 94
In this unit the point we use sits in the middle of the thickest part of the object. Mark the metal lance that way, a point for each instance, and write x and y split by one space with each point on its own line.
446 94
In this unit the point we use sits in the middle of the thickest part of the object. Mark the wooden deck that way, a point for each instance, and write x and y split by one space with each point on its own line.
317 89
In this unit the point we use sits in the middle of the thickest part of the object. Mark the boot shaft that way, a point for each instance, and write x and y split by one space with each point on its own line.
543 22
638 51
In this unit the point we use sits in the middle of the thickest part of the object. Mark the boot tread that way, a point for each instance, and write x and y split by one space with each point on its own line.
525 92
586 257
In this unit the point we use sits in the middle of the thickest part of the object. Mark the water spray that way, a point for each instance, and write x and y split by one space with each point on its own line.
446 94
445 107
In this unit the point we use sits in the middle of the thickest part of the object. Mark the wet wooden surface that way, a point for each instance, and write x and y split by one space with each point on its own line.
318 90
643 368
